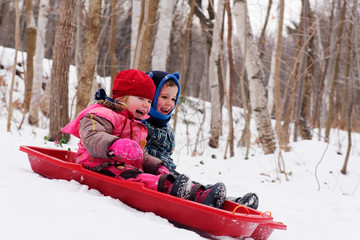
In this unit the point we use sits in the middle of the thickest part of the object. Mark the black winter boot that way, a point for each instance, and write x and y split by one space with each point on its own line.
181 187
249 200
213 196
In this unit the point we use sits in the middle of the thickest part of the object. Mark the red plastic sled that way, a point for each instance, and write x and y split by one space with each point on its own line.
232 220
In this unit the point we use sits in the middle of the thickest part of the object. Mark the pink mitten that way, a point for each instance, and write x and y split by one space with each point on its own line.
127 150
162 170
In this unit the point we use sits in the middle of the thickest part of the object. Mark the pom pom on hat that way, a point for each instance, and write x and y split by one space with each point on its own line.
134 83
157 76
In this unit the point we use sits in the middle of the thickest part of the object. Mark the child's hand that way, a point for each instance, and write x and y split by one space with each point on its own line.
127 150
162 170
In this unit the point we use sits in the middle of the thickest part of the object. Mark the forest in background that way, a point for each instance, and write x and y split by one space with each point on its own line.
305 79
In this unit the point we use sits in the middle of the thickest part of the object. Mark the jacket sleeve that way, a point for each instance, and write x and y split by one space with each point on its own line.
160 144
95 134
150 163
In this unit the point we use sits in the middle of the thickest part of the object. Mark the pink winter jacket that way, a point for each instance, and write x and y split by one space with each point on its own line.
98 127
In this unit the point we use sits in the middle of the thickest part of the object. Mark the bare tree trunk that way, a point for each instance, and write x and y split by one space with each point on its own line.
185 43
38 67
30 50
144 41
59 106
324 68
271 83
4 10
300 78
90 56
213 78
256 78
246 135
112 42
200 129
187 69
136 20
183 54
223 75
289 117
274 95
349 111
231 77
207 24
17 40
305 131
144 16
79 30
277 93
330 114
345 91
263 31
277 64
353 43
162 38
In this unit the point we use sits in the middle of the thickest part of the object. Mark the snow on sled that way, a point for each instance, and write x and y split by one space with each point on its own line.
232 220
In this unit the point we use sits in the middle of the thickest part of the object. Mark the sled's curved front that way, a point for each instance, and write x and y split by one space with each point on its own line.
232 220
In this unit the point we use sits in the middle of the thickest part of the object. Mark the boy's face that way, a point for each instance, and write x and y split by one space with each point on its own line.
166 100
139 107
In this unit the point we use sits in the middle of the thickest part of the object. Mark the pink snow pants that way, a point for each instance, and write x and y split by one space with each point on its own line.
149 180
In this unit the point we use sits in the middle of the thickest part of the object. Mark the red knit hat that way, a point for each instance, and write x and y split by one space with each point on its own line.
134 83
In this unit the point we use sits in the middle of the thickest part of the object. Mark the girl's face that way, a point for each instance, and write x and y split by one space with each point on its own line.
139 107
166 100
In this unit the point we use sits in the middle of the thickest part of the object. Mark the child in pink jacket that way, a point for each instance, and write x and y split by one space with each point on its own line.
112 138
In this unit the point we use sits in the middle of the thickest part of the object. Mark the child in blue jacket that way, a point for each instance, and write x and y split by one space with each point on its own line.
161 140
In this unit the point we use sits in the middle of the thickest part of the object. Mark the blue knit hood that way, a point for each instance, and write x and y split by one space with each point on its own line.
159 78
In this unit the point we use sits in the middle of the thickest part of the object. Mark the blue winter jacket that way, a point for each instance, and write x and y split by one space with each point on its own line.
161 136
161 143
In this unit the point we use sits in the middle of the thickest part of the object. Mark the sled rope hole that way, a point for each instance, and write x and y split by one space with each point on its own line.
267 212
241 206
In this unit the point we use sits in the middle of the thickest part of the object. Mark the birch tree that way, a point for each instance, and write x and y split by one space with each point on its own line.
162 38
90 55
59 105
256 77
213 77
38 67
